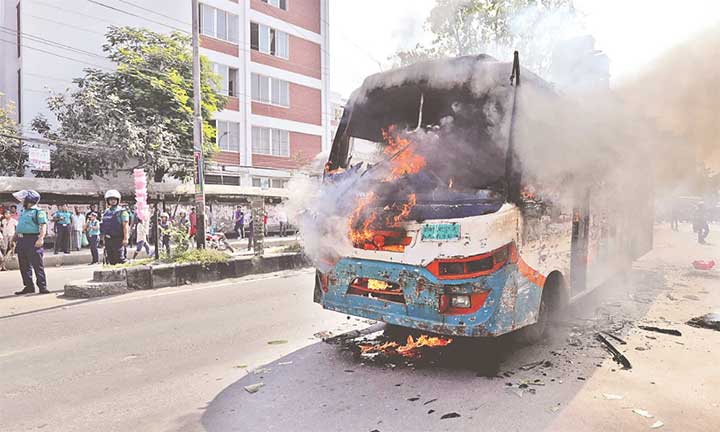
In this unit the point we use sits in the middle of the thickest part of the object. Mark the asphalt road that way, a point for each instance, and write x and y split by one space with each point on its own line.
146 361
179 359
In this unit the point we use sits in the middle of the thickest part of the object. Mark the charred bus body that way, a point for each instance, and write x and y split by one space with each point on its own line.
453 237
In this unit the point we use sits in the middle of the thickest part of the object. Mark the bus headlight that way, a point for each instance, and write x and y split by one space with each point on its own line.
460 301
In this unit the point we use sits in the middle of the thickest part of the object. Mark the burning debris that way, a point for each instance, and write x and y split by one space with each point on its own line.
411 350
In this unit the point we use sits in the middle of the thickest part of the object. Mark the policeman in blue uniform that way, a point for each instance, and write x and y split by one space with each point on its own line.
115 228
29 239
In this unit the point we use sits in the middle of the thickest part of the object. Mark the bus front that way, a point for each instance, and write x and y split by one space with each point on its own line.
431 237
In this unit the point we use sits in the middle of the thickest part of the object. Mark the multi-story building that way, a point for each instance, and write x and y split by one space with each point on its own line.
272 55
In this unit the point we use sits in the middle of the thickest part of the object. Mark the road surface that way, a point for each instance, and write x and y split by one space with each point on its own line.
179 359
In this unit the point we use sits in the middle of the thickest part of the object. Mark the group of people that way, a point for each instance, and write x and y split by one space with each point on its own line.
31 227
241 219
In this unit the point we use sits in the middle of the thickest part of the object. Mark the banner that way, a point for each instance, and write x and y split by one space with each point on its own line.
38 159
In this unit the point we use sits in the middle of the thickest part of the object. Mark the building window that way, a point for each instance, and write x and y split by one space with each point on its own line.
265 182
228 79
218 23
272 142
270 90
228 136
280 4
269 41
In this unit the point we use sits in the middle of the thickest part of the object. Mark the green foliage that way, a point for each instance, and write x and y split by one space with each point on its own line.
180 240
202 256
142 111
496 27
12 154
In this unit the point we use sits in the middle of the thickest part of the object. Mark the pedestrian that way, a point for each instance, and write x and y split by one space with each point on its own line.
193 222
251 234
63 222
142 238
165 226
283 221
14 213
265 219
240 222
115 228
29 240
8 225
78 227
674 215
92 229
92 209
183 222
700 224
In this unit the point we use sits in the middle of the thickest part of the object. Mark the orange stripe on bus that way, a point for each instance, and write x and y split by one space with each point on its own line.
531 274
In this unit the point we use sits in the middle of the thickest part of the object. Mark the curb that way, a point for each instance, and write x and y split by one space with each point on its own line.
84 257
121 281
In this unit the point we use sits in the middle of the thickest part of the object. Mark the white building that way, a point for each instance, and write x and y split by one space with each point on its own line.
273 55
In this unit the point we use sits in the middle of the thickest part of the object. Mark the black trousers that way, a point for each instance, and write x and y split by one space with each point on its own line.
114 250
62 240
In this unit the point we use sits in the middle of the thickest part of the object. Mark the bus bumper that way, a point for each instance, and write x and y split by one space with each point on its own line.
511 300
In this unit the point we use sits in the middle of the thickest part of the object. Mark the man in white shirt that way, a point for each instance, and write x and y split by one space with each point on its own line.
78 226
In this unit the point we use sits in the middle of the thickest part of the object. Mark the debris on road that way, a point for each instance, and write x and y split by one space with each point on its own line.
671 332
241 366
610 396
431 411
253 388
430 401
691 297
703 265
709 321
617 355
642 412
532 365
657 425
411 349
450 415
620 341
277 342
285 363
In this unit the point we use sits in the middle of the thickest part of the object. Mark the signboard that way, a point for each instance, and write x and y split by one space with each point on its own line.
38 159
441 232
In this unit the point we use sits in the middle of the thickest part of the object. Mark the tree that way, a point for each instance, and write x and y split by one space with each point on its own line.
12 154
140 114
497 27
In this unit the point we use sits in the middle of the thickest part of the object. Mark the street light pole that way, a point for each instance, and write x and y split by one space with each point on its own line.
197 130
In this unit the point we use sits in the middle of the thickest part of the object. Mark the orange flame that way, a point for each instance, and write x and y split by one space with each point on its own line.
405 161
411 349
364 233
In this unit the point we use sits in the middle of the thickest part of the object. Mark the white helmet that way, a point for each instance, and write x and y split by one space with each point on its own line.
112 193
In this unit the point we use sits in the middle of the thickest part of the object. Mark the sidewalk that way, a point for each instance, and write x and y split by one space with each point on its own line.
84 257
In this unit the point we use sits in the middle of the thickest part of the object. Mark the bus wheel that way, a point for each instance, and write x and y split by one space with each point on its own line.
551 304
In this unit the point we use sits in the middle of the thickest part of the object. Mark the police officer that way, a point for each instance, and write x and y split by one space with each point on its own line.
29 239
115 228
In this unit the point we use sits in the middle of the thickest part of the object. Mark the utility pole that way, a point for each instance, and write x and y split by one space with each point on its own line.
197 130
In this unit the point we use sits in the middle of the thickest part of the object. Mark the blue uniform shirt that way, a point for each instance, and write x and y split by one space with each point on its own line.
64 217
30 220
93 227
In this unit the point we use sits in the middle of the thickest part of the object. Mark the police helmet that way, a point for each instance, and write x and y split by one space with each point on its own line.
112 193
30 196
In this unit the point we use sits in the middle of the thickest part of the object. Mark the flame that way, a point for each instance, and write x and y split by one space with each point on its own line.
404 161
411 349
406 207
363 225
364 234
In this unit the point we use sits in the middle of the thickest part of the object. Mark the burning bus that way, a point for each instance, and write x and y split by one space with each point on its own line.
444 230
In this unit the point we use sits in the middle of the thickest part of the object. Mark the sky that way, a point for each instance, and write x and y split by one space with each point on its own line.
364 34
